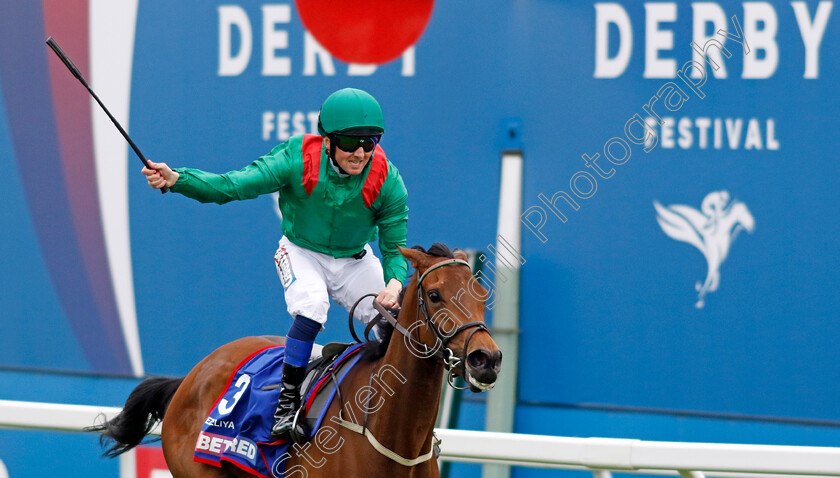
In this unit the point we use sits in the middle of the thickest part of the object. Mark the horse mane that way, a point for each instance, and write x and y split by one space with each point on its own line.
376 348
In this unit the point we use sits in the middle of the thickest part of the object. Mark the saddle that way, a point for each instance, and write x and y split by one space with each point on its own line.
320 371
238 428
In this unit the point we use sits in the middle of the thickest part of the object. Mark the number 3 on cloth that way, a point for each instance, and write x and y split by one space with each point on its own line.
284 267
241 385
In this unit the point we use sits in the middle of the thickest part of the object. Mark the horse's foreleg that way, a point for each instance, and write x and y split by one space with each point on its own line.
715 280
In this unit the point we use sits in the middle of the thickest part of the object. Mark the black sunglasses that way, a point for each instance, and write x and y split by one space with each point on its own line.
350 144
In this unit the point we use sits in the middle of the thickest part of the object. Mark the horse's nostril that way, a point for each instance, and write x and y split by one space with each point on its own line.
496 360
484 359
479 359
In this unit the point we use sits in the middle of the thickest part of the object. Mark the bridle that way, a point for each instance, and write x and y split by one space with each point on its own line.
440 351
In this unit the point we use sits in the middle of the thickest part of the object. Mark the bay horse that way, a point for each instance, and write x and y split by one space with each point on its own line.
395 388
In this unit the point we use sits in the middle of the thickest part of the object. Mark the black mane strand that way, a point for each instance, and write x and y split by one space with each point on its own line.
438 249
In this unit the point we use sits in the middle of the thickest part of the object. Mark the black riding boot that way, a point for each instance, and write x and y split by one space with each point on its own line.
289 402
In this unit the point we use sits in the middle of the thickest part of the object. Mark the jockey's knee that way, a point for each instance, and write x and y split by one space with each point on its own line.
311 309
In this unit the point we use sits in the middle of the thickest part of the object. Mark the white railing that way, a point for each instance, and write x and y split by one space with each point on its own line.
690 460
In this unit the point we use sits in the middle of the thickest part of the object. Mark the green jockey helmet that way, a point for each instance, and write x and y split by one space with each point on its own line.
351 112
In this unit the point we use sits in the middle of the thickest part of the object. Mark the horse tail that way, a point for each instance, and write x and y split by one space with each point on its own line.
144 407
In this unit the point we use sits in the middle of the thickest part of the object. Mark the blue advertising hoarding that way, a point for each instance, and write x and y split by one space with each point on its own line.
679 220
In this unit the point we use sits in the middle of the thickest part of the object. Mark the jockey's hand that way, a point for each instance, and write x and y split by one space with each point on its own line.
389 296
160 175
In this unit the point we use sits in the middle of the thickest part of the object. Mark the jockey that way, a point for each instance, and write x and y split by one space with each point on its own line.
336 192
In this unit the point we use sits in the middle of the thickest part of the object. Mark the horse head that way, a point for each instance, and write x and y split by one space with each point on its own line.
731 220
740 216
449 322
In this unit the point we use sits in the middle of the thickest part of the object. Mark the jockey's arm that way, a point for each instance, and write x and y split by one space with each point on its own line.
392 221
267 174
389 296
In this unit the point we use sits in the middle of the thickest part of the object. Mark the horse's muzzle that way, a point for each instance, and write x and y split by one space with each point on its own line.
482 369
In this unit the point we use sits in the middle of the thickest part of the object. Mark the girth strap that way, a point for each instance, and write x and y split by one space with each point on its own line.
382 449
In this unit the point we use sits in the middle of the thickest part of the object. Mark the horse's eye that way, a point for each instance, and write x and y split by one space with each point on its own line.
434 295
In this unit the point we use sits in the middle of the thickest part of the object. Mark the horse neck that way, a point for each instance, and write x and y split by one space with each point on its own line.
408 416
728 222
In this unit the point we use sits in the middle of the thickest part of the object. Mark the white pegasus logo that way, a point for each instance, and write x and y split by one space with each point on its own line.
712 231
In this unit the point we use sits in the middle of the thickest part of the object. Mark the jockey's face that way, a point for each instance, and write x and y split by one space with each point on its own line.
352 163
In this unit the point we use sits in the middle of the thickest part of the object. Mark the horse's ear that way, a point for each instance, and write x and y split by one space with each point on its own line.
459 254
418 259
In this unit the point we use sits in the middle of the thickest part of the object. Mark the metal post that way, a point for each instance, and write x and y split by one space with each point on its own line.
501 401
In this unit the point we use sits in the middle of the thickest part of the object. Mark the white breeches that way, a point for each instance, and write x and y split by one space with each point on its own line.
310 279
